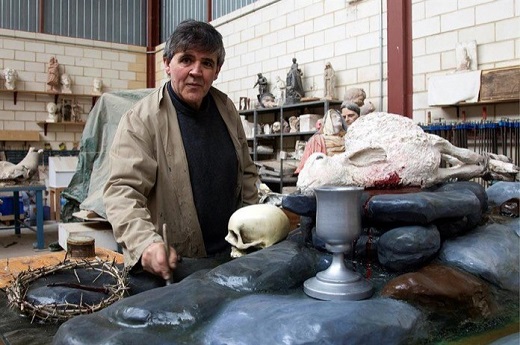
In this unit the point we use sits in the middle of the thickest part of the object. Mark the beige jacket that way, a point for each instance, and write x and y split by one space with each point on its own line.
149 182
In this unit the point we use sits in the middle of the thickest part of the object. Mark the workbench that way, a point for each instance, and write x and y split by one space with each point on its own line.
38 189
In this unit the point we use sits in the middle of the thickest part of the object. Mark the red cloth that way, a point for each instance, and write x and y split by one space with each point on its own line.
316 143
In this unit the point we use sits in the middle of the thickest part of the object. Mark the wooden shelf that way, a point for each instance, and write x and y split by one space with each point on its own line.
48 93
19 135
66 123
479 103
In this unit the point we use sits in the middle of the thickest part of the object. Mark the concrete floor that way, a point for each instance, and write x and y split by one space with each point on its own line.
12 245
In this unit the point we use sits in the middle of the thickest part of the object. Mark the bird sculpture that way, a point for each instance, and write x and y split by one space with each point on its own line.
22 171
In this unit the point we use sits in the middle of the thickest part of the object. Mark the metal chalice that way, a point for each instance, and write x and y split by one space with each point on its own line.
338 224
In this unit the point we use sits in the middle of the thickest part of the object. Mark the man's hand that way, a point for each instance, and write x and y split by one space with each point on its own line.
154 260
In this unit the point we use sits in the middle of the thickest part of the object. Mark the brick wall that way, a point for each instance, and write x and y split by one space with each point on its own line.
121 67
265 36
437 28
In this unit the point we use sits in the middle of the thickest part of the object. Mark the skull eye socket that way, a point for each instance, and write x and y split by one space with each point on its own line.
232 235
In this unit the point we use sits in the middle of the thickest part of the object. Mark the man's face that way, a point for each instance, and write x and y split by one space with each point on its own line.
349 115
192 73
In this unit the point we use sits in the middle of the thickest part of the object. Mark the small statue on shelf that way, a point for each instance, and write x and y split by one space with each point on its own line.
11 76
66 83
66 110
466 55
97 86
294 123
329 79
279 90
53 76
51 111
294 89
76 112
262 85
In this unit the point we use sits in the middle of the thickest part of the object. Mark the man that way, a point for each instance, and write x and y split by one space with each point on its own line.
179 158
350 112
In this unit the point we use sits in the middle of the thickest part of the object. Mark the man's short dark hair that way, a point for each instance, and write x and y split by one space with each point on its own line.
193 34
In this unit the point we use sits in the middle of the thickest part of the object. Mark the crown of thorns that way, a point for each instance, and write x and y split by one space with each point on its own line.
57 312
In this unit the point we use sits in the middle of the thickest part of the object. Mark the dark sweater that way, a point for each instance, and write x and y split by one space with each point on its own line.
213 168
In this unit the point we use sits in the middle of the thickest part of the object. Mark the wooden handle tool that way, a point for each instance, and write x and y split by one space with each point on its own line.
167 247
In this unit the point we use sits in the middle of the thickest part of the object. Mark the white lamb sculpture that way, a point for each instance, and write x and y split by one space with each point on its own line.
389 150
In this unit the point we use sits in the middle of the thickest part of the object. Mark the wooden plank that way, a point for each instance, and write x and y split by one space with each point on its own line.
11 135
11 267
500 84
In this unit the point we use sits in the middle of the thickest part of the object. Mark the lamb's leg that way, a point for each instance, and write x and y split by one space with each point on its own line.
464 155
465 172
494 166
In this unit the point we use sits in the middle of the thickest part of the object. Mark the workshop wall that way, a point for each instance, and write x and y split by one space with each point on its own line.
264 36
120 66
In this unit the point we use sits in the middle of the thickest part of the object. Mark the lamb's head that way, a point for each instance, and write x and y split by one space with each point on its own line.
321 170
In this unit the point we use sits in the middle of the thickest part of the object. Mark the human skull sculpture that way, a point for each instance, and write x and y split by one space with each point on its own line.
256 227
276 127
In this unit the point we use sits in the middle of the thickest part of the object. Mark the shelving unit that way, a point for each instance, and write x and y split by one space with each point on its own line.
66 123
53 94
280 141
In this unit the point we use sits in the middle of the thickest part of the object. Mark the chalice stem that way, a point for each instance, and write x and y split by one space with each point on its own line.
338 272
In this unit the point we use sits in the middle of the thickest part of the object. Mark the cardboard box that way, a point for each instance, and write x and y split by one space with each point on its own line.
61 170
308 122
101 232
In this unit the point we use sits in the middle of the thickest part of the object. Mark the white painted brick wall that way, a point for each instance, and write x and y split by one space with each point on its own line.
316 31
264 37
29 54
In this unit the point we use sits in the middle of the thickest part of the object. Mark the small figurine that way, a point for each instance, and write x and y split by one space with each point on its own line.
294 123
276 127
294 84
66 111
97 86
66 83
267 100
76 112
279 90
466 55
53 76
262 85
355 95
329 79
51 110
11 76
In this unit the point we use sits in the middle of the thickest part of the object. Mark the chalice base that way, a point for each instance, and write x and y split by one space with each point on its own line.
338 283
